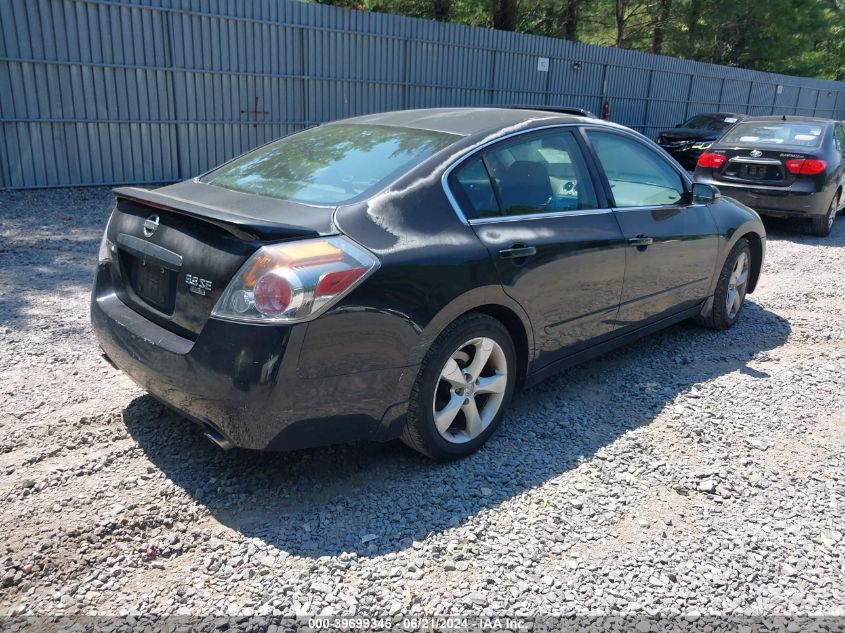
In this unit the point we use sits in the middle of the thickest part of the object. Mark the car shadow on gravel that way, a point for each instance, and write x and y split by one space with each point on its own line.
374 499
798 231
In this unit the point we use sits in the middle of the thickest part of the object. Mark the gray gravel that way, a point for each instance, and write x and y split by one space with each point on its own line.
691 473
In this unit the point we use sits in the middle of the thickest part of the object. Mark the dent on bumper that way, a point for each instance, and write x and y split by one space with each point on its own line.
243 381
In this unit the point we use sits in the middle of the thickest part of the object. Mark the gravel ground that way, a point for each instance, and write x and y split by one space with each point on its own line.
691 473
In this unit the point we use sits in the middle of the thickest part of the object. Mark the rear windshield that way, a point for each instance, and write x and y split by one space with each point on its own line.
710 122
330 164
776 133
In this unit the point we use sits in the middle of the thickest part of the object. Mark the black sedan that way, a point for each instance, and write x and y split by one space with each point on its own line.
400 274
782 166
688 140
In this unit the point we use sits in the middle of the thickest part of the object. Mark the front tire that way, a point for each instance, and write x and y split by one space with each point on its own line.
731 288
464 385
822 224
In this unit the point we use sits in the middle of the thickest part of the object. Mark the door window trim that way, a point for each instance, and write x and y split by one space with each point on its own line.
601 195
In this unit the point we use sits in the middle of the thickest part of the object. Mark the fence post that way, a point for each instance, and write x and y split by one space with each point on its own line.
493 77
406 78
689 97
647 101
170 63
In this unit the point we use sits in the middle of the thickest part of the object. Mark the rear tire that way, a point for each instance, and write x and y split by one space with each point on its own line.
467 398
822 224
731 288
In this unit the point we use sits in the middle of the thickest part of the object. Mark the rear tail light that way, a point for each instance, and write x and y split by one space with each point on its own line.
805 166
294 281
714 161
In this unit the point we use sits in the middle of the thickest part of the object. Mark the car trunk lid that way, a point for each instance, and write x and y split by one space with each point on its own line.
176 248
758 166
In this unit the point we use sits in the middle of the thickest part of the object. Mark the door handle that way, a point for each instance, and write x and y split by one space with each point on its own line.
641 241
517 251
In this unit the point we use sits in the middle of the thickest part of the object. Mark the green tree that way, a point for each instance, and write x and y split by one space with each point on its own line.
804 37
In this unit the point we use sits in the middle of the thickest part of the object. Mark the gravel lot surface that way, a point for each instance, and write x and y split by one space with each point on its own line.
692 472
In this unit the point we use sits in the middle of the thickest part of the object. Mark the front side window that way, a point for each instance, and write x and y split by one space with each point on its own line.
330 164
775 133
543 174
638 176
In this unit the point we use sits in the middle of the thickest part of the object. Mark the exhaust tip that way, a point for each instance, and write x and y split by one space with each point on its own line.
217 438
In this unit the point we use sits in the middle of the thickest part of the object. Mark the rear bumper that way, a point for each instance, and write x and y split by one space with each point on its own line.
243 380
786 202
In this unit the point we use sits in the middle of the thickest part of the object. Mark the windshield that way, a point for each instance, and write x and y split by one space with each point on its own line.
776 133
710 122
330 164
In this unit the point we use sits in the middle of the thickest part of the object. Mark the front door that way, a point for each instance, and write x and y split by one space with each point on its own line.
672 244
558 249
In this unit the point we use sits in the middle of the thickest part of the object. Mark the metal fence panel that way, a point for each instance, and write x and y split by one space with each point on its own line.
113 91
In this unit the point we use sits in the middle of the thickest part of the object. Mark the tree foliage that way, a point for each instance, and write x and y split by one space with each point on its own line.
799 37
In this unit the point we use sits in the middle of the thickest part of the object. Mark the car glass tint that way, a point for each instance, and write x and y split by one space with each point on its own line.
546 174
775 133
709 122
330 164
474 191
638 177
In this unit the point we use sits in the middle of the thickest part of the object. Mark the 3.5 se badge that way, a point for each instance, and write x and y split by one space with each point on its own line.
197 285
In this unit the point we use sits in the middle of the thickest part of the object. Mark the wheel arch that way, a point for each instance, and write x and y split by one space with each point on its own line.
757 252
517 331
497 305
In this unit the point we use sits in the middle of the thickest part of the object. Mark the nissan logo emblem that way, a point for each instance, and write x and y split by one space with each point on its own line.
756 153
151 225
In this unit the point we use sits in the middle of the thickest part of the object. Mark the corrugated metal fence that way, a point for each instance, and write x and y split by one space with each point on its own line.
97 91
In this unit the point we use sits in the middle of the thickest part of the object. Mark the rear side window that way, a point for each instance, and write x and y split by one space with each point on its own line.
775 133
638 176
475 192
330 164
545 173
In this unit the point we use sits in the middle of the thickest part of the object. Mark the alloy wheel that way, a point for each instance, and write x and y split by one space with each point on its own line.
737 285
470 390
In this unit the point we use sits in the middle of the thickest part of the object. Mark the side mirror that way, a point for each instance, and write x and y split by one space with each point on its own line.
704 194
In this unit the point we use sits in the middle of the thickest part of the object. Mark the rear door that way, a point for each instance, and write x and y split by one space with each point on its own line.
556 245
672 245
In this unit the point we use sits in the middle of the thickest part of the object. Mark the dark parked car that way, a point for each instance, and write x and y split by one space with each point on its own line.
400 274
689 139
781 166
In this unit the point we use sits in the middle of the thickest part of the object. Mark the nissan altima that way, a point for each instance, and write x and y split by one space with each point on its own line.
399 275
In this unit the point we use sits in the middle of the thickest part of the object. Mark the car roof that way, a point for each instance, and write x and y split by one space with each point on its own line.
786 118
466 121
